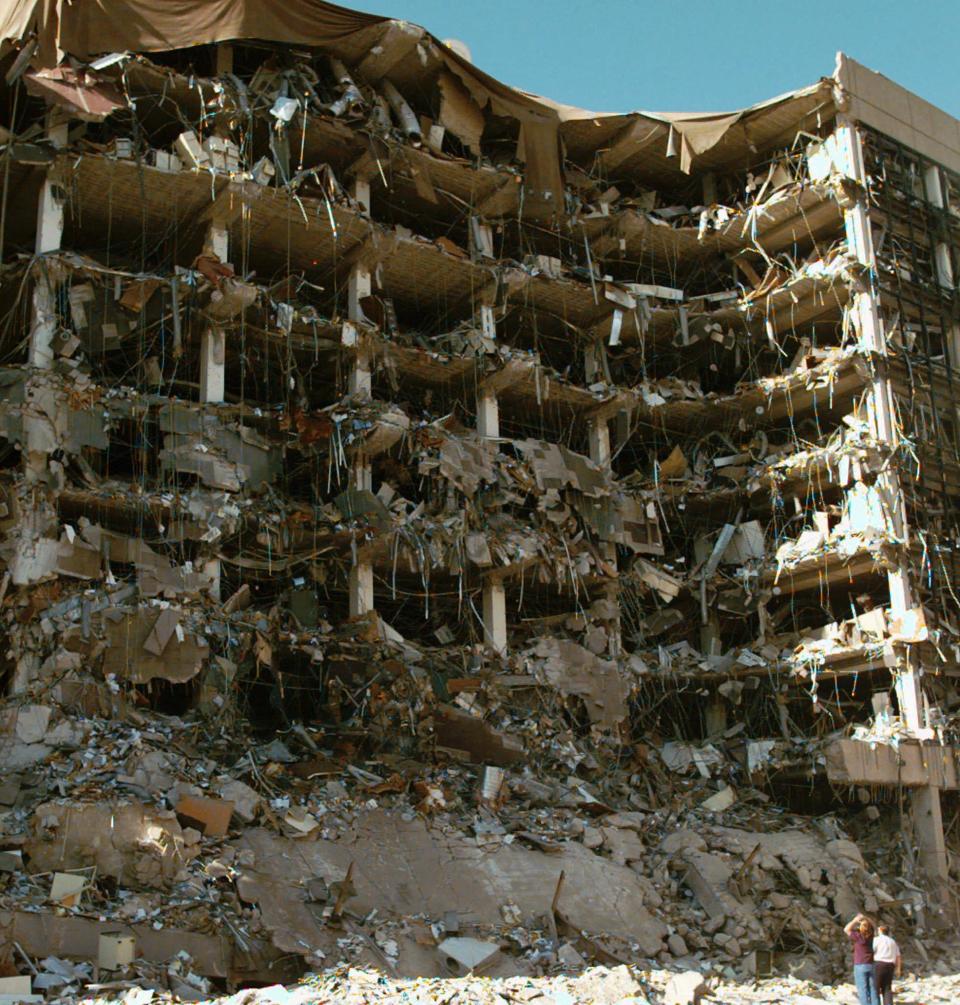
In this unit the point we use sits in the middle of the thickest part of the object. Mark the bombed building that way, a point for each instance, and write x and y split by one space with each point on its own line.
443 526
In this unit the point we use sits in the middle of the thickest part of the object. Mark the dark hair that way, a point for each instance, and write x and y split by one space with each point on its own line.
869 925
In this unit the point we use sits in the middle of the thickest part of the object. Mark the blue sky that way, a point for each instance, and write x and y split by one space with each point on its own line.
695 55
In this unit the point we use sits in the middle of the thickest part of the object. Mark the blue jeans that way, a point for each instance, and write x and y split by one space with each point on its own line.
866 984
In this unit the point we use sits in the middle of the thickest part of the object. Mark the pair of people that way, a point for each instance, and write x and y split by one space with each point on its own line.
876 959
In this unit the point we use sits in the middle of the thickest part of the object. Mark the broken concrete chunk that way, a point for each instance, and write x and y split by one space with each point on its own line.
137 845
32 723
720 801
463 956
246 801
676 945
147 643
209 816
485 745
680 840
575 671
685 989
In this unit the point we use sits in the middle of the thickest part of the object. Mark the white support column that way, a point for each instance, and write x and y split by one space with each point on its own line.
488 426
213 361
866 317
43 325
481 239
360 192
598 437
933 185
212 569
592 365
361 474
925 802
359 286
488 415
495 614
213 342
361 588
488 323
361 573
928 828
361 375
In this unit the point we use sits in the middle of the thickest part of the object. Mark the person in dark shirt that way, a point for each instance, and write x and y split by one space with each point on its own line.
860 933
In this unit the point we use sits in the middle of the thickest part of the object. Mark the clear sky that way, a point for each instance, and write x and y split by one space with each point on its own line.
694 55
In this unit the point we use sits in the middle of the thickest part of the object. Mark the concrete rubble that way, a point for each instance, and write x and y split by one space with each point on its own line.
462 546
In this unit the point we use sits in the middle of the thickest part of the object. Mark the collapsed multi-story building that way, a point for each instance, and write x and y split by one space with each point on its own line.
350 395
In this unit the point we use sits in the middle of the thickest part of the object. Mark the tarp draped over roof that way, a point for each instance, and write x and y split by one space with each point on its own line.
92 27
88 28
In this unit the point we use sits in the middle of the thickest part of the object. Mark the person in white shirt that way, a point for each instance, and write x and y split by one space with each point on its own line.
886 963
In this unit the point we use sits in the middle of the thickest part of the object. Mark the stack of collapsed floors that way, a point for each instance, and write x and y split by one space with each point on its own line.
363 418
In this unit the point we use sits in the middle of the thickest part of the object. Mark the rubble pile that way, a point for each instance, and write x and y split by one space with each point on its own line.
518 832
443 532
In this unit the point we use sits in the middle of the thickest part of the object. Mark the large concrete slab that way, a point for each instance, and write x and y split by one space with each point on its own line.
407 868
910 764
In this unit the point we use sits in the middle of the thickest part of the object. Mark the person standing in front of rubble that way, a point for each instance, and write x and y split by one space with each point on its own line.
886 963
860 932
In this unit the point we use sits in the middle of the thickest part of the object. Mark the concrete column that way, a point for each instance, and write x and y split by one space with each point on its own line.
212 569
213 362
361 574
867 320
488 324
488 426
598 437
361 588
361 375
481 239
928 824
494 594
592 365
43 321
360 285
710 643
495 614
928 829
715 718
213 342
43 325
488 415
933 186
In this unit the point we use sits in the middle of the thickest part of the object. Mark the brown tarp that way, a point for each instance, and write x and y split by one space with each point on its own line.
91 27
88 28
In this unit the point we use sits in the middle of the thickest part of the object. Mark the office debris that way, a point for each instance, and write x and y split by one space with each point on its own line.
390 578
